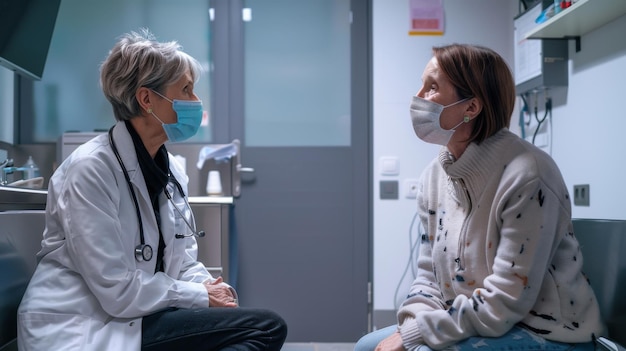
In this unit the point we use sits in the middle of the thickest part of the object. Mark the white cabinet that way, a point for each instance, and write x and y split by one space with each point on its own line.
212 215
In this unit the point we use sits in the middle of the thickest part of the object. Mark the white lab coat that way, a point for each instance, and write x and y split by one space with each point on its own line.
88 291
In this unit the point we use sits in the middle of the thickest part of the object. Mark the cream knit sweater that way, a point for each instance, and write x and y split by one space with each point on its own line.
499 250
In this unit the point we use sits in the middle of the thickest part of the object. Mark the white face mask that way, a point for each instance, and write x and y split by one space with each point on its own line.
426 118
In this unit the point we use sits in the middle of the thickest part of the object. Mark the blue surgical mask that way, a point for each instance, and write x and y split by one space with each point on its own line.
189 114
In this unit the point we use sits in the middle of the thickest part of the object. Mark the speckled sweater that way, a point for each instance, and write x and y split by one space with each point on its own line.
499 250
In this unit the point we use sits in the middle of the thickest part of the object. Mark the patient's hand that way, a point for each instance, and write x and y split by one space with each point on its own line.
391 343
220 294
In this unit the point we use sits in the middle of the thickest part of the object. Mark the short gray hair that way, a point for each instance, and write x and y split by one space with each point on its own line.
139 60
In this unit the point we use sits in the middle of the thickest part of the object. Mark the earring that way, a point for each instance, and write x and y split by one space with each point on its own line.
149 110
466 119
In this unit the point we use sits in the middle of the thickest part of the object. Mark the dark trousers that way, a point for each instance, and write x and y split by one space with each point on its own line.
208 329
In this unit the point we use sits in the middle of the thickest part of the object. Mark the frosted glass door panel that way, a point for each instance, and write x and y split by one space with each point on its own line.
69 96
297 73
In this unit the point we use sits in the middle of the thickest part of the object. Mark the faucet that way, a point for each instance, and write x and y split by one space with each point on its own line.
6 167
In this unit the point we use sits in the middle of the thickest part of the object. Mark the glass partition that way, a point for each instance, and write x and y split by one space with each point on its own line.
297 72
6 105
69 98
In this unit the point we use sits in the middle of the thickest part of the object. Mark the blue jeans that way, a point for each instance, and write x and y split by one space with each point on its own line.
517 339
213 328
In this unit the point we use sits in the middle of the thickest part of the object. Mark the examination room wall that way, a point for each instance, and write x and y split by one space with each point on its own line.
587 124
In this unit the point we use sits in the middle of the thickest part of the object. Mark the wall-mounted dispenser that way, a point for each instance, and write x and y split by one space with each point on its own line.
225 161
539 63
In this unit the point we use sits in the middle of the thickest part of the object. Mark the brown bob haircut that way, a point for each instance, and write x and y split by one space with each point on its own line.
479 72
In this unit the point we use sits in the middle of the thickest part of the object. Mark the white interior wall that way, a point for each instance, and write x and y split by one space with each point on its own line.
398 63
587 139
589 143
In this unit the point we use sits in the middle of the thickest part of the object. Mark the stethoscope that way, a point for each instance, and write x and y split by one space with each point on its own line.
143 251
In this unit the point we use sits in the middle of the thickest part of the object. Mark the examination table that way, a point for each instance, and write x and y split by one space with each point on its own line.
603 243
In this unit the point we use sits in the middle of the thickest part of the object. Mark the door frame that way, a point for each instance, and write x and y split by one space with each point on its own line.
227 107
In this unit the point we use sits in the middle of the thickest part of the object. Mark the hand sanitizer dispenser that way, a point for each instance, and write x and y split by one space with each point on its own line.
30 169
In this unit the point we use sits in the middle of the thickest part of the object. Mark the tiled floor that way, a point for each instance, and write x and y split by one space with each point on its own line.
318 347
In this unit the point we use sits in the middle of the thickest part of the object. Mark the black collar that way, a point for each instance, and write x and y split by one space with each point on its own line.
155 171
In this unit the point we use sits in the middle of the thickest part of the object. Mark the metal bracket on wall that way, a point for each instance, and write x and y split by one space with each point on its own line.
576 38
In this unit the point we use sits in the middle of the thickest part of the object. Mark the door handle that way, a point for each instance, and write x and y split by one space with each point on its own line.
247 175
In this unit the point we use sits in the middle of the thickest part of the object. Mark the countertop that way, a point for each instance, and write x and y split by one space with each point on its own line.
210 199
24 198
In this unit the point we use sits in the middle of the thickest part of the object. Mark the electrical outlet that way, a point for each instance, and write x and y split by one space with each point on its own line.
410 188
581 195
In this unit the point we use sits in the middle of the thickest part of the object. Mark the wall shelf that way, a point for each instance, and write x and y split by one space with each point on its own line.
582 17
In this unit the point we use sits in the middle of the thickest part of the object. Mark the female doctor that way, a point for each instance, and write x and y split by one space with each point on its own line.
118 269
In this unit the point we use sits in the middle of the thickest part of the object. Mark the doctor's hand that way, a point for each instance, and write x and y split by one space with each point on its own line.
220 294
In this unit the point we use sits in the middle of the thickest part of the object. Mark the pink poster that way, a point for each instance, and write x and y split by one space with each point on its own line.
426 17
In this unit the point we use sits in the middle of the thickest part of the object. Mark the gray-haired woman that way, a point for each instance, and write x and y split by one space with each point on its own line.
118 267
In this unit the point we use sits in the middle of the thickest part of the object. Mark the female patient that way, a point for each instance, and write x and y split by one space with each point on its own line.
499 267
118 268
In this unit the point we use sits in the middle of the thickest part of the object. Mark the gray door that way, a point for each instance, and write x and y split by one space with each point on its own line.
294 87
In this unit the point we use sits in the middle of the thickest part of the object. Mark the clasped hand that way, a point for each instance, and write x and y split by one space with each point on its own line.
220 295
391 343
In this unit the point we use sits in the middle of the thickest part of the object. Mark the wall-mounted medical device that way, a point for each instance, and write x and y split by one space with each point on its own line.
540 64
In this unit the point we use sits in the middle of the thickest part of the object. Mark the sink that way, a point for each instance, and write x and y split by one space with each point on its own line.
17 198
